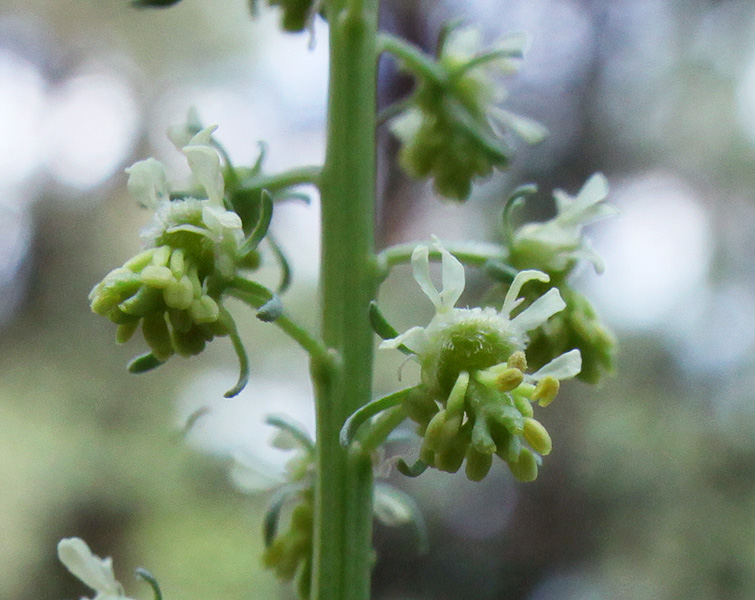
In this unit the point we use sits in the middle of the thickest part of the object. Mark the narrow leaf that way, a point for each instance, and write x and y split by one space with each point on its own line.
151 580
362 415
283 263
238 346
297 431
263 224
499 271
272 516
414 470
383 328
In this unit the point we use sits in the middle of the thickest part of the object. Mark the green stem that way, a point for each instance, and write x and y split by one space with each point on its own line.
343 503
279 181
475 255
256 295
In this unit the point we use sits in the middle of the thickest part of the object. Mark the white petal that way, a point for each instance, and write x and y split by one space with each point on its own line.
539 311
252 476
517 41
415 339
218 220
147 182
95 572
182 135
593 191
452 277
565 366
421 270
529 130
205 165
391 507
203 137
510 302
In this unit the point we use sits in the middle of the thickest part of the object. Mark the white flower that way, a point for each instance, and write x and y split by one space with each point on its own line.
511 332
208 218
95 572
555 244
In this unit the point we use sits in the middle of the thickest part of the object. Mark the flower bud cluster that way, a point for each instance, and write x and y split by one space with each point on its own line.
452 130
488 412
160 290
475 399
291 551
172 289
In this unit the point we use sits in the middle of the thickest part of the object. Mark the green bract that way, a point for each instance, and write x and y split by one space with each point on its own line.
475 399
173 287
451 131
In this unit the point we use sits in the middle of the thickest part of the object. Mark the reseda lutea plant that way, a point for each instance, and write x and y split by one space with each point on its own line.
484 369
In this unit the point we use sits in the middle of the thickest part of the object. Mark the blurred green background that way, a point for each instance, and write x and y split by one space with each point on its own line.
650 491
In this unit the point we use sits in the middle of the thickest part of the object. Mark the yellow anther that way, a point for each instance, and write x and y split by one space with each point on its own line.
537 436
518 361
509 380
546 390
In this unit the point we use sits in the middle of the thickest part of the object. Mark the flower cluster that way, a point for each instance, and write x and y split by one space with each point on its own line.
555 247
192 245
475 399
289 553
452 129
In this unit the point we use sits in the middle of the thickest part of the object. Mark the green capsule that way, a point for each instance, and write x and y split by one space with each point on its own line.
523 405
157 277
141 260
147 300
179 293
524 469
180 319
478 465
482 441
177 263
117 285
125 331
436 436
450 460
204 310
161 256
157 336
190 342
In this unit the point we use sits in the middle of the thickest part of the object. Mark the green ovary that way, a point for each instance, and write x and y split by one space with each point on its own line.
470 341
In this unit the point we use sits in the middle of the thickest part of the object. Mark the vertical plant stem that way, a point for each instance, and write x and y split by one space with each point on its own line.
343 507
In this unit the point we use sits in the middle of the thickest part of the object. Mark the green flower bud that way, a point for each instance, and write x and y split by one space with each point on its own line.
126 331
204 310
157 277
157 335
478 464
525 468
